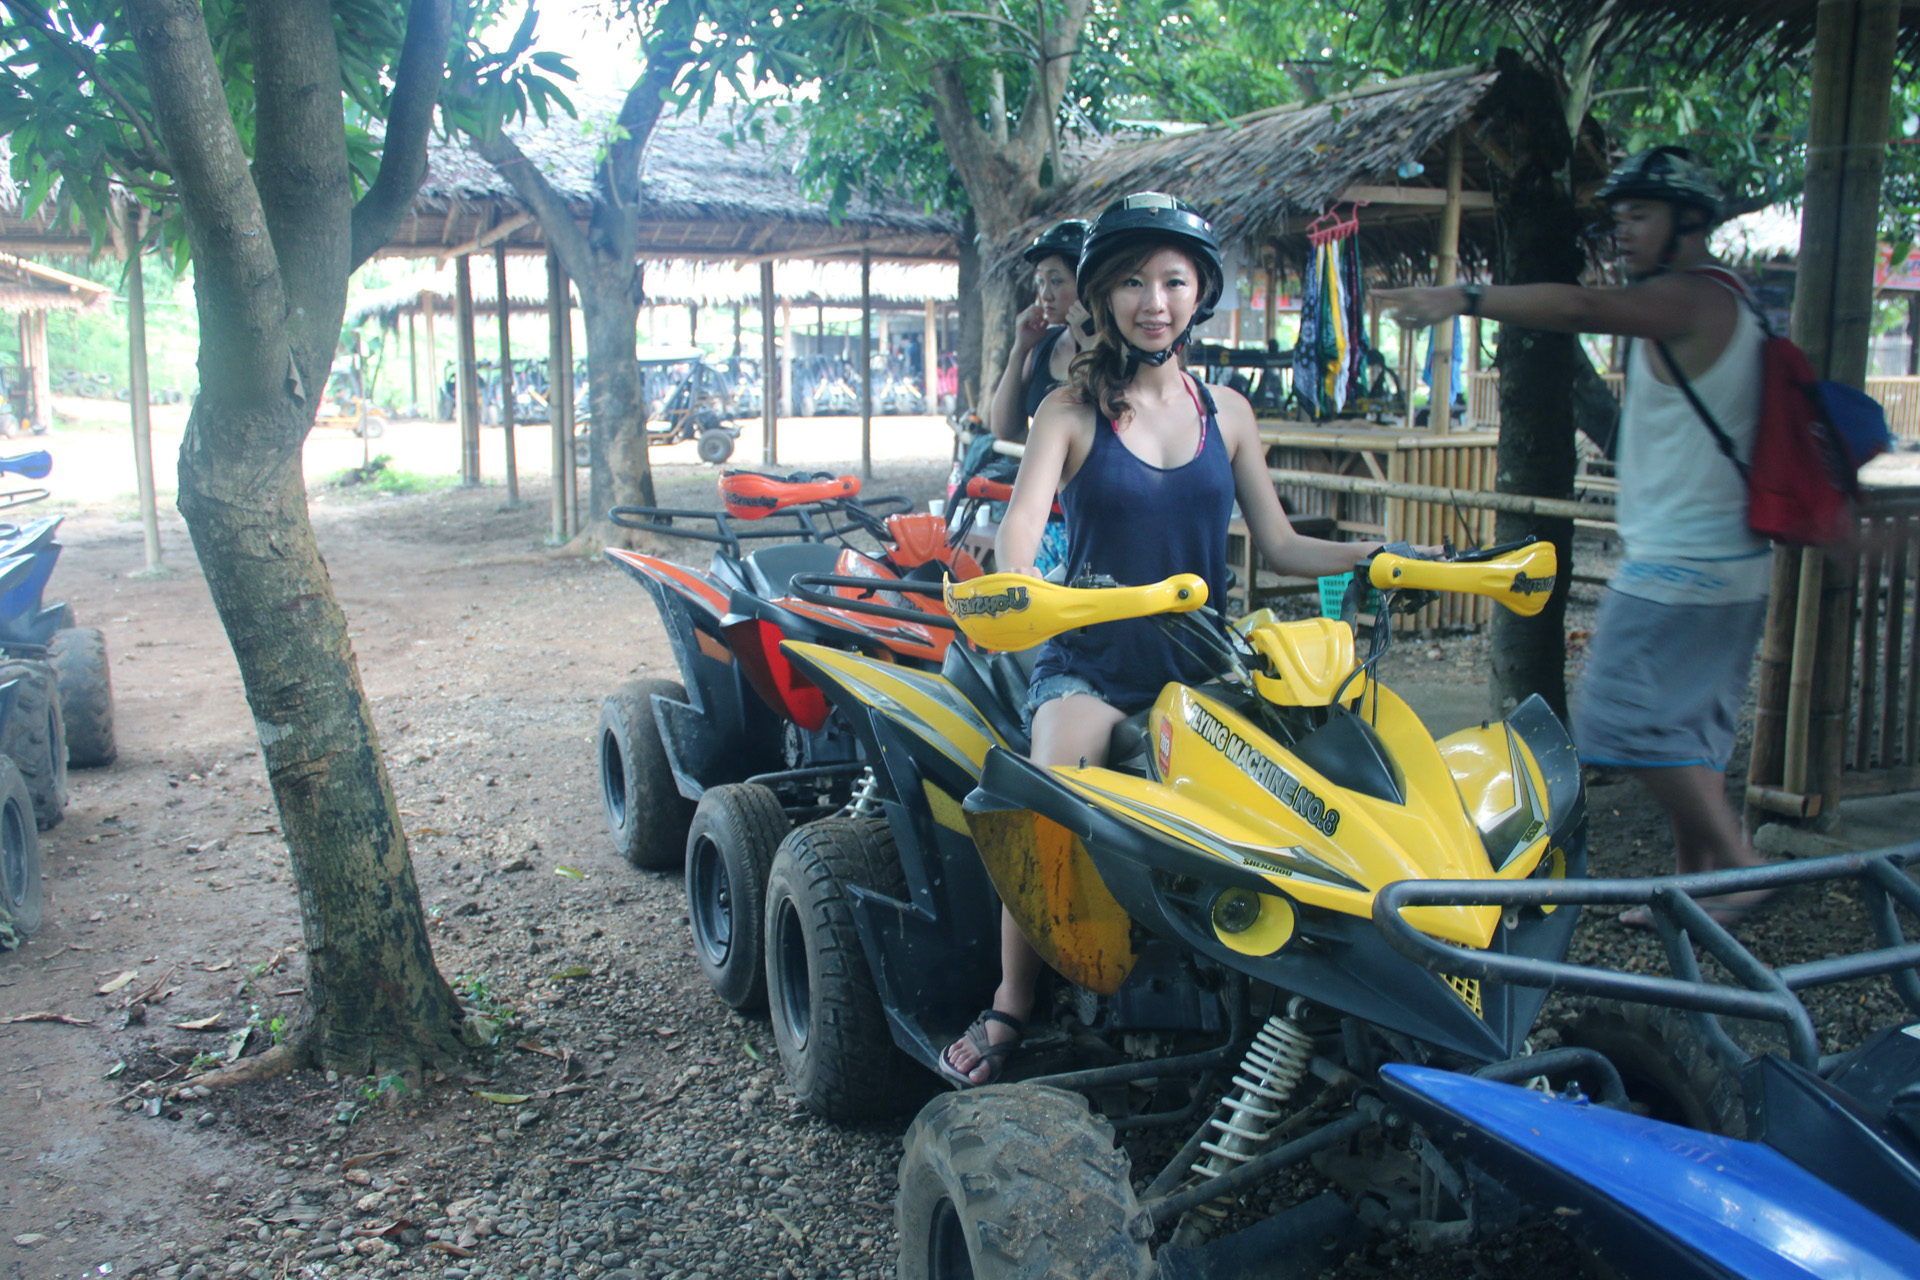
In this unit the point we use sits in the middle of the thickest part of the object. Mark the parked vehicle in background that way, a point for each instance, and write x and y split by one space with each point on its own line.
824 385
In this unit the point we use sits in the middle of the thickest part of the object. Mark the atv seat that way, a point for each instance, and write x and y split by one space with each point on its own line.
770 570
1127 744
996 683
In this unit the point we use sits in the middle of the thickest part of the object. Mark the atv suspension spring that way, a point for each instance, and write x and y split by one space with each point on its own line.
866 797
1272 1069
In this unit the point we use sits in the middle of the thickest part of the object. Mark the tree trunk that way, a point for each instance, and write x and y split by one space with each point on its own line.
972 335
272 239
375 1001
1540 242
621 474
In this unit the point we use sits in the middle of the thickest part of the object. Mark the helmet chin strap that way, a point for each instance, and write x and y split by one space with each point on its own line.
1136 357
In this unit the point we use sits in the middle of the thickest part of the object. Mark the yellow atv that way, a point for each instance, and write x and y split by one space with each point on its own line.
1212 883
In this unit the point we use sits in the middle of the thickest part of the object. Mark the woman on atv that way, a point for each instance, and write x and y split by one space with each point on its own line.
1148 463
1047 335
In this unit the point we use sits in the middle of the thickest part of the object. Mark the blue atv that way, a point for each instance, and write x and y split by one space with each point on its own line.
56 696
1816 1175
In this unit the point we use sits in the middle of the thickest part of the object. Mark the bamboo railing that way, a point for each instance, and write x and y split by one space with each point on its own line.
1881 750
1899 396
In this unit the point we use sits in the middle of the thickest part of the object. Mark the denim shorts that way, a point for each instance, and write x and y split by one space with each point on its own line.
1046 690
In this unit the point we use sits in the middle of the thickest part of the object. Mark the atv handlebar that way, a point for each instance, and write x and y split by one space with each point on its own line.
805 586
1683 924
1520 575
1011 611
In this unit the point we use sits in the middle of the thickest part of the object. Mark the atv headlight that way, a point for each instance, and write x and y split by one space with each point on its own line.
1254 924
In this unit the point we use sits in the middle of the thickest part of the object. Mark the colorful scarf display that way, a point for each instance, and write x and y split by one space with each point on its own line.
1329 356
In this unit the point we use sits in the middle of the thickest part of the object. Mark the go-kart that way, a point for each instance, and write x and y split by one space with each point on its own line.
710 771
1817 1174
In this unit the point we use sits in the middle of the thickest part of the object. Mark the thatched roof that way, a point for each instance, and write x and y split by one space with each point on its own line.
700 197
802 283
34 286
1261 178
1715 27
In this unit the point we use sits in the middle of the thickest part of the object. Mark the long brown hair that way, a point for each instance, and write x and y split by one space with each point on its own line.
1099 375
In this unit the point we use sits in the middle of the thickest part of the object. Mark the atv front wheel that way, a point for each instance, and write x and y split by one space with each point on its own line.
730 848
20 894
716 445
828 1022
1668 1072
79 658
33 738
646 814
1021 1181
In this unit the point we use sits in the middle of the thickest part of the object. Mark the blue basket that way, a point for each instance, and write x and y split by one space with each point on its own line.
1333 589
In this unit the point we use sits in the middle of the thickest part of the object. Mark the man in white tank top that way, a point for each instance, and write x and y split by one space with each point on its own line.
1674 645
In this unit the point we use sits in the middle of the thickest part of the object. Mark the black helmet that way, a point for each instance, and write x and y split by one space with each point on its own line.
1673 174
1061 240
1148 217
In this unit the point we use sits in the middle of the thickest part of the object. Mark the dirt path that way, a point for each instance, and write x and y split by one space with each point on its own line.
486 660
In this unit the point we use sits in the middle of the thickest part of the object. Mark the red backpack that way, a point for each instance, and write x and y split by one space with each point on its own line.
1812 439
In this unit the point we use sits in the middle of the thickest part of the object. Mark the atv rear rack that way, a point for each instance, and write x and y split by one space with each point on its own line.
1767 994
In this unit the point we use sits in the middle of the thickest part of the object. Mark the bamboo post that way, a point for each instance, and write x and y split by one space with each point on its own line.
1273 304
930 359
1852 85
469 375
139 387
786 359
1440 398
506 373
866 363
559 389
575 522
413 362
769 403
434 380
38 360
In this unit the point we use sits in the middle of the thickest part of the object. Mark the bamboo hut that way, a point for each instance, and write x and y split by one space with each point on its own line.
29 291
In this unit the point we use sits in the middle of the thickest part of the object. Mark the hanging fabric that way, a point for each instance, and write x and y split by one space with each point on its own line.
1329 356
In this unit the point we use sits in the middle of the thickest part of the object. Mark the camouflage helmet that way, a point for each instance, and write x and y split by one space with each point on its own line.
1672 174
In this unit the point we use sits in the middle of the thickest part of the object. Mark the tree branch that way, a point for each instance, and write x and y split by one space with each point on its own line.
403 157
300 168
549 206
1049 82
619 174
237 275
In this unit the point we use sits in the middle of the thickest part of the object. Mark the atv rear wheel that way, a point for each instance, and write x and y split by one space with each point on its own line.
646 814
20 890
716 445
1667 1070
79 658
33 739
730 848
828 1022
1021 1181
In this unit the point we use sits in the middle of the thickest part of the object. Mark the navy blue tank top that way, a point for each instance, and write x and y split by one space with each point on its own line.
1137 523
1043 380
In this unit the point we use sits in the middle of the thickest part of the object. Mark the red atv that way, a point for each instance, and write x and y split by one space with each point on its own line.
710 771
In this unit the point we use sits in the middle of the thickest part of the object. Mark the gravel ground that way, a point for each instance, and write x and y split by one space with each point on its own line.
625 1123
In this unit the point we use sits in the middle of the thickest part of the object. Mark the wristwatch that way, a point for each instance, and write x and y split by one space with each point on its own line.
1471 296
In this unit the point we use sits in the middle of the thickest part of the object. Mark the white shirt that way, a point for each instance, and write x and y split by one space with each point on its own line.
1680 498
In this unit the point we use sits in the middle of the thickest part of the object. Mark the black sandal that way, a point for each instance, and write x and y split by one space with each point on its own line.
993 1053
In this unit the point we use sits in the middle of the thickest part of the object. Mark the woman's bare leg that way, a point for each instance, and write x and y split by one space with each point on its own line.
1073 730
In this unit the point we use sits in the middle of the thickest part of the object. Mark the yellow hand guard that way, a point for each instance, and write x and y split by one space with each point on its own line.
1521 580
1010 611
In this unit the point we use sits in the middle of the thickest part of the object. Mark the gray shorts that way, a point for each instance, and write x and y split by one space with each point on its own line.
1665 682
